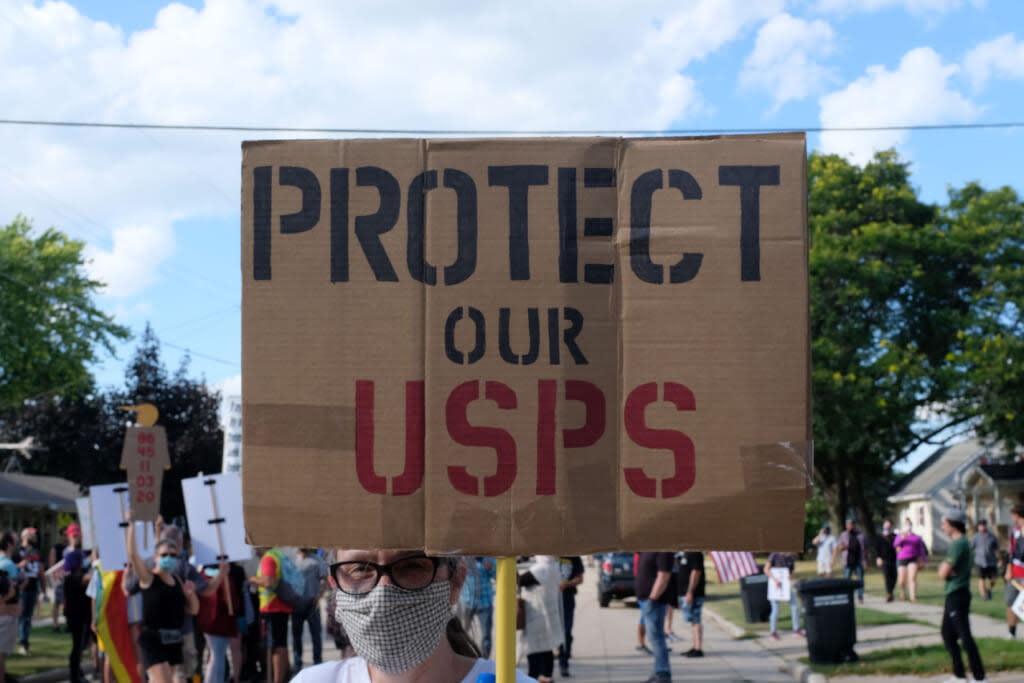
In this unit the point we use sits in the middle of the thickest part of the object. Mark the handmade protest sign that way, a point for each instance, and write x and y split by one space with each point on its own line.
109 505
145 458
526 346
84 507
213 504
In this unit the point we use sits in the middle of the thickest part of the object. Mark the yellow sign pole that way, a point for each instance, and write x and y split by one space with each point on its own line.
506 620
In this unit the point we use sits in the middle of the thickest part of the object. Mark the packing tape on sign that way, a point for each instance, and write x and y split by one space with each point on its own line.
784 465
329 428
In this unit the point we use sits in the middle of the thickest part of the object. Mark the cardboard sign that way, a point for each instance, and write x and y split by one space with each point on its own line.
109 505
145 458
501 347
213 504
84 507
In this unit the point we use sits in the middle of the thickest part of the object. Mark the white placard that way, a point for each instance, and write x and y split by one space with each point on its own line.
779 592
55 575
1018 605
84 506
200 493
109 503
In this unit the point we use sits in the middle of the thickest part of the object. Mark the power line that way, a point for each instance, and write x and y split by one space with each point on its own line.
506 132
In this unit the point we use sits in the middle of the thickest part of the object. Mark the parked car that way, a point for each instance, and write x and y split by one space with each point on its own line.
615 579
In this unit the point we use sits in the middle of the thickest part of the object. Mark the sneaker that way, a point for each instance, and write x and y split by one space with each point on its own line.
1013 631
564 671
644 648
659 677
695 653
687 653
775 635
954 679
22 650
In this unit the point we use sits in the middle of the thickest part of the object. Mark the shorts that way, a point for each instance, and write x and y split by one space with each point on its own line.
691 613
154 652
189 657
277 625
1011 594
58 594
8 633
987 572
905 563
824 567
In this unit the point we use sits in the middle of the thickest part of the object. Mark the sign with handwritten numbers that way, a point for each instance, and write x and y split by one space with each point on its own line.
145 458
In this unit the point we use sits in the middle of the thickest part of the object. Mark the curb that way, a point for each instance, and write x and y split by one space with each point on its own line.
731 629
803 674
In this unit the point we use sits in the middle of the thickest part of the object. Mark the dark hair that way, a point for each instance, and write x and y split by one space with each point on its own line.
167 543
461 642
7 540
1018 509
959 526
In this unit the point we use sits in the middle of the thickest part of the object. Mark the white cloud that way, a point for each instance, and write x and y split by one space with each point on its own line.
134 261
916 93
784 61
369 64
1001 57
229 386
918 7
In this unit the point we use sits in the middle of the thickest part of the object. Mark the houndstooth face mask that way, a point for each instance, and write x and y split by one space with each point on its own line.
395 630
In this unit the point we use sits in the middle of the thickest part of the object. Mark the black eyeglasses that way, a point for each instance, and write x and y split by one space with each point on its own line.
409 573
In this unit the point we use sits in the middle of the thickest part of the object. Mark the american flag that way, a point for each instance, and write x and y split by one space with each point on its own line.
732 566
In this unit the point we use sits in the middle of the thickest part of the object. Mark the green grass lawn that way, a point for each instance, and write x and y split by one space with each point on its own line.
49 651
930 591
997 655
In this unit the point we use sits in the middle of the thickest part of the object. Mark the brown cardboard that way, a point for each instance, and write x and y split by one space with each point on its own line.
488 434
144 456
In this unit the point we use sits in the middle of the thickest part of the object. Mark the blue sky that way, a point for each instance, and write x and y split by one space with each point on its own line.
159 210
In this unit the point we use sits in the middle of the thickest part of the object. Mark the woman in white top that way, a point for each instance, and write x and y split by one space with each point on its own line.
397 608
544 632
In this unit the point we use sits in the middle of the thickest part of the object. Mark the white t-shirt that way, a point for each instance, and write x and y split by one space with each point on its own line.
354 670
825 548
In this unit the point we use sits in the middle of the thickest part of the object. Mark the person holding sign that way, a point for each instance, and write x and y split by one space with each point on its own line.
397 607
779 569
955 570
1014 566
164 602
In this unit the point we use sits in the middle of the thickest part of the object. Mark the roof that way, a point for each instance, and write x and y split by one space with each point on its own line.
38 491
938 471
1004 471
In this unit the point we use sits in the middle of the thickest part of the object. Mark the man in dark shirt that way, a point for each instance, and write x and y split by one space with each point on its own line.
691 597
654 570
886 553
572 576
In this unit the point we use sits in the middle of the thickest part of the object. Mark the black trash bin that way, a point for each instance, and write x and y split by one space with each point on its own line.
754 592
830 619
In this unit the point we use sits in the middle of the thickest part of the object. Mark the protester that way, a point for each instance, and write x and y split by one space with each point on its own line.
31 566
477 599
783 561
654 573
10 606
57 557
133 609
165 601
826 543
1015 566
956 571
222 625
854 545
397 609
986 559
691 590
94 591
544 630
274 612
886 558
641 630
911 557
77 613
572 576
314 571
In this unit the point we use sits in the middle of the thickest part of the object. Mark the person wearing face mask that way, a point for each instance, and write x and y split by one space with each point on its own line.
910 558
886 558
77 573
165 599
397 608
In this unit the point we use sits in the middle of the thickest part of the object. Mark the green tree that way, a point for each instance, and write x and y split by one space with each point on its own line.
50 329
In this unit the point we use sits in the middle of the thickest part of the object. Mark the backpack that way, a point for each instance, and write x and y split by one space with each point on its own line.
291 588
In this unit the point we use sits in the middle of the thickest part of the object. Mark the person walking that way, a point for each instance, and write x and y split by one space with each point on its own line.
826 544
885 553
986 558
31 566
10 606
654 572
1015 565
955 570
853 544
274 613
572 576
314 571
477 597
783 561
77 604
691 591
911 557
544 631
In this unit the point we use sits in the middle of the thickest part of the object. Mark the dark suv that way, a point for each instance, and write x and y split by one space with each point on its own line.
615 580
